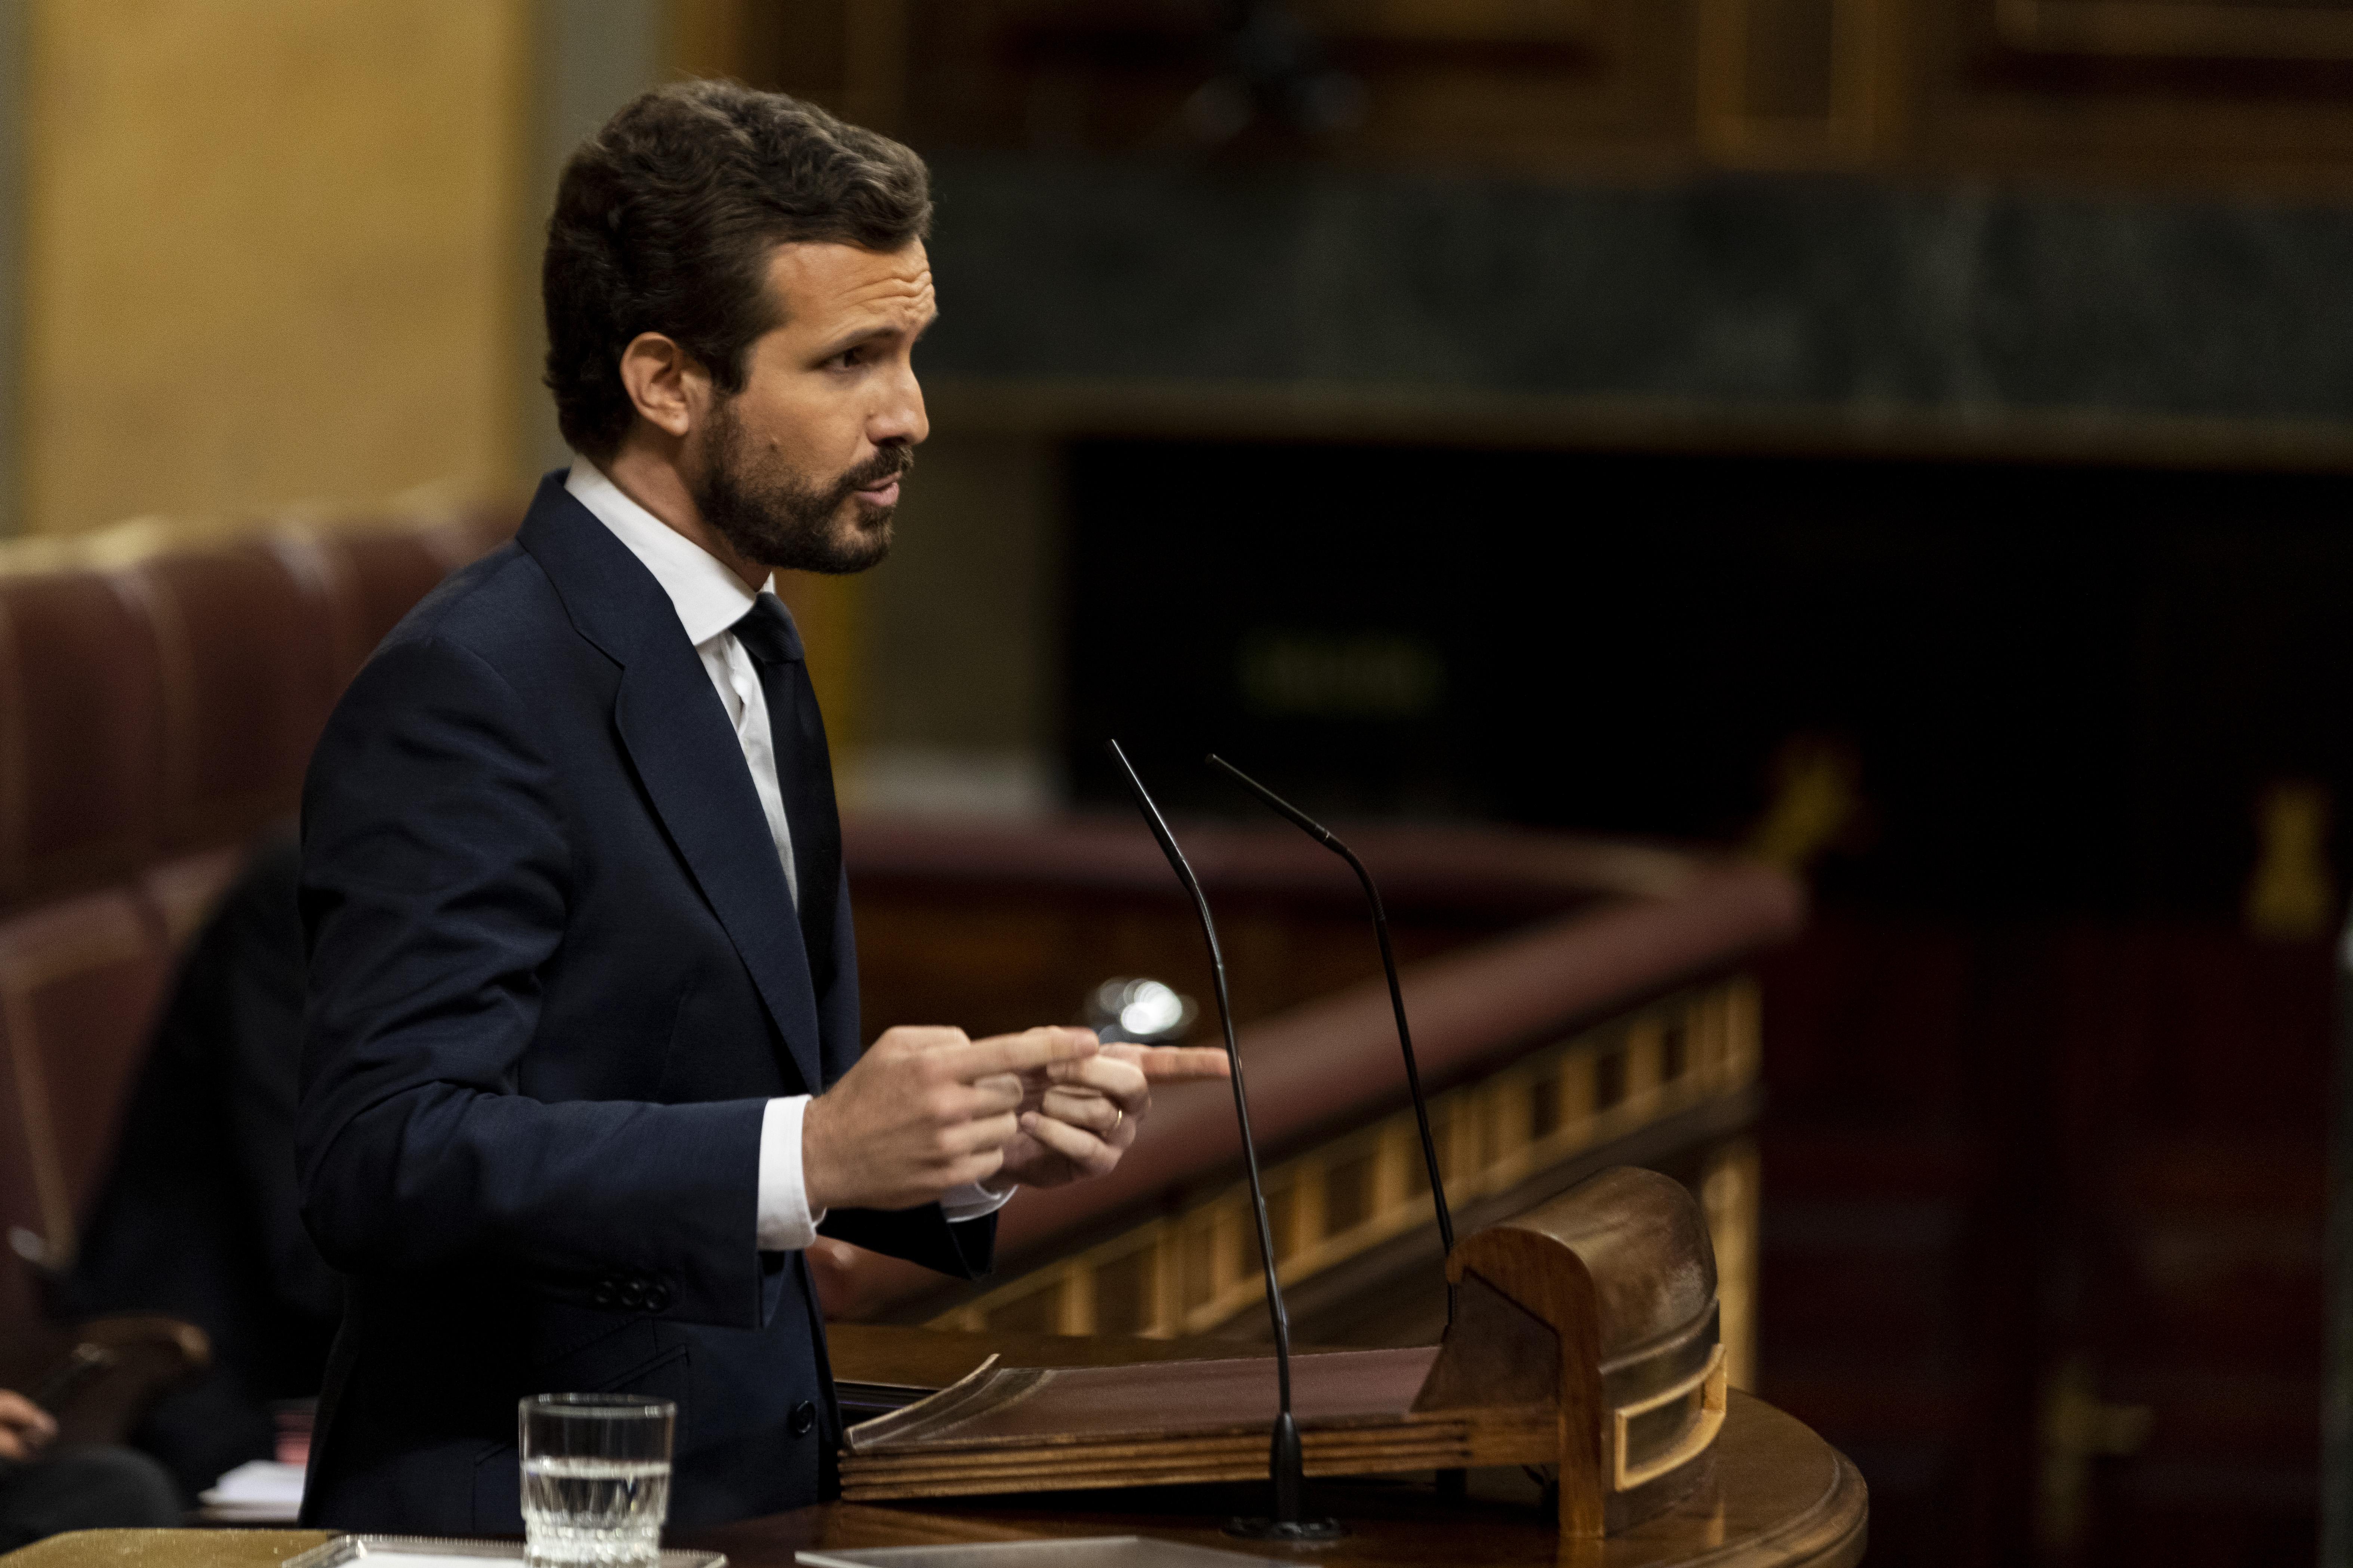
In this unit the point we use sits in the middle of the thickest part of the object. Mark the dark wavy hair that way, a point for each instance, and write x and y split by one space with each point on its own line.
665 220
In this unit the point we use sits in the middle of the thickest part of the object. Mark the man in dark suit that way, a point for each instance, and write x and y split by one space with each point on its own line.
581 1073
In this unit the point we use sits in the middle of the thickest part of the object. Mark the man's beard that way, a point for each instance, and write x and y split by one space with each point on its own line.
770 514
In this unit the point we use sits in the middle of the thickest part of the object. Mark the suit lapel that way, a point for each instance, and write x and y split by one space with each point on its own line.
677 738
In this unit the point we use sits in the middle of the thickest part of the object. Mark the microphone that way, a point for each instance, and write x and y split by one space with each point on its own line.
1286 1467
1323 836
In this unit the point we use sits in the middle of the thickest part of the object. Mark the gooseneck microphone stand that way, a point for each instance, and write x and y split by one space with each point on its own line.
1323 836
1286 1467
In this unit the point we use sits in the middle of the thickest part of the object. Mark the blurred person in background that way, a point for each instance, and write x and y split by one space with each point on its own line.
198 1218
45 1491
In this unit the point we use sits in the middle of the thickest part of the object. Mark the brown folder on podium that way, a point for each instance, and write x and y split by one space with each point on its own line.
1584 1339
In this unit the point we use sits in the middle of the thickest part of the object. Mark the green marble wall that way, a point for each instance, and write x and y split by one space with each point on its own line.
1817 294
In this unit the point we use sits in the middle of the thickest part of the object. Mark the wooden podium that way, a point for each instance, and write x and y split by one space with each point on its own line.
1586 1349
1780 1498
1586 1344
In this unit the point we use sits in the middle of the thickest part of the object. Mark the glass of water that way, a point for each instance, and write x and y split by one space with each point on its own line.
595 1479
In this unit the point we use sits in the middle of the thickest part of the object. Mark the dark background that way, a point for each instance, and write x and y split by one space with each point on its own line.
2065 686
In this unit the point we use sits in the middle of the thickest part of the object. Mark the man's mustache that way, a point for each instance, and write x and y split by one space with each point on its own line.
886 465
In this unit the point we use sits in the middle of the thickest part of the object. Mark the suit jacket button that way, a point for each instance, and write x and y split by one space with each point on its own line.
803 1418
604 1295
658 1295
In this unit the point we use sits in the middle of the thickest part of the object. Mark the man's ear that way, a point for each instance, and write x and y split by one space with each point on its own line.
669 390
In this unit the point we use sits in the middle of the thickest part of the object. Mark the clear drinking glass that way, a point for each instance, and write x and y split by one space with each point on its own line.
595 1479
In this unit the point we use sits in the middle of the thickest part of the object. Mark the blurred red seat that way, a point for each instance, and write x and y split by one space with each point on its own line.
369 581
154 714
178 894
78 984
81 735
245 646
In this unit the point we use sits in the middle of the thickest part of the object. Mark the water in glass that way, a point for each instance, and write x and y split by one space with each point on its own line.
595 1480
594 1513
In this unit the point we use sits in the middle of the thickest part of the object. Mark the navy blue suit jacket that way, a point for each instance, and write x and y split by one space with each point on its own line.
555 977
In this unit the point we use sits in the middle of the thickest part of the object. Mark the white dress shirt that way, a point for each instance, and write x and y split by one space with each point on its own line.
709 599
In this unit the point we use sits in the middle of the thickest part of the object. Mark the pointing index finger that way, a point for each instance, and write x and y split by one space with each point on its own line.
1176 1064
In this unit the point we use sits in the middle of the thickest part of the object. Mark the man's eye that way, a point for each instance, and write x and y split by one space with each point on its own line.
849 357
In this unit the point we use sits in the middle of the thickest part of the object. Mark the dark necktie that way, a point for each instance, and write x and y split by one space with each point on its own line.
803 774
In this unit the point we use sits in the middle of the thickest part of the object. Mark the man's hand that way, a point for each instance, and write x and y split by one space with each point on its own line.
923 1112
25 1427
1079 1117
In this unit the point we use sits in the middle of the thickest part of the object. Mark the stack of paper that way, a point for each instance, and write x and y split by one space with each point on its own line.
259 1491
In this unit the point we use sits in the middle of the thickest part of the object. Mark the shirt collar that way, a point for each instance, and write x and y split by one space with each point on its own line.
708 597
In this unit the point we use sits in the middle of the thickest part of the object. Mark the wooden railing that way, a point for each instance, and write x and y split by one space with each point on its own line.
1193 1271
1576 1004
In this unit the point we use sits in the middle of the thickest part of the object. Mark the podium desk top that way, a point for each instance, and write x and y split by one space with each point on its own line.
1781 1498
935 1358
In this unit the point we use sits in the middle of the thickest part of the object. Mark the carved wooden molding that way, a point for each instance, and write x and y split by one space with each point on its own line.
2211 30
1455 21
1737 128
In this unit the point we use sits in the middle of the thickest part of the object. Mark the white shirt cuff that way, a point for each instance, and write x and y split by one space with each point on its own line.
783 1224
783 1221
972 1201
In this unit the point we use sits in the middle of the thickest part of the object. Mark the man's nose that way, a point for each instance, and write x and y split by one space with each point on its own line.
900 417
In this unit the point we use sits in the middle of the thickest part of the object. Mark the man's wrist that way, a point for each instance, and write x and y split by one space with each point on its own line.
817 1188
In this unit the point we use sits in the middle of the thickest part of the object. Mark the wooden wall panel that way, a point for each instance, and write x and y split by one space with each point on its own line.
268 252
2168 94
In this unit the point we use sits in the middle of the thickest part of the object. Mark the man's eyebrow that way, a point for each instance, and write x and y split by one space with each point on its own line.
851 339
